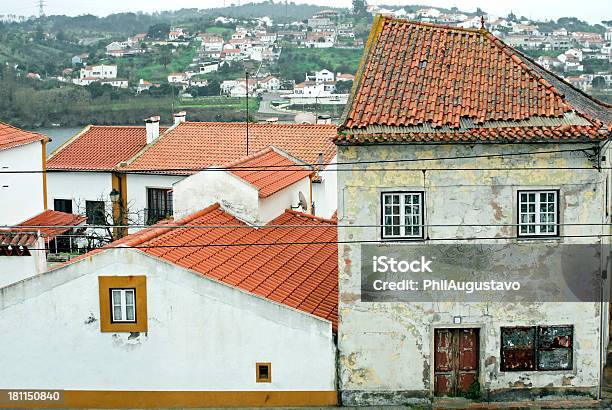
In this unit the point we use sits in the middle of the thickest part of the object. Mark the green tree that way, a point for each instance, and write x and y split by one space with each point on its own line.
165 56
344 87
160 30
359 8
598 83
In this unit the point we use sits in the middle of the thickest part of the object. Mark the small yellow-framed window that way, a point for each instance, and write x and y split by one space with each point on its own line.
123 303
263 372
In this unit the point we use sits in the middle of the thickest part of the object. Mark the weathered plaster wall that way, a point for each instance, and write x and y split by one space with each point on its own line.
385 349
205 188
203 335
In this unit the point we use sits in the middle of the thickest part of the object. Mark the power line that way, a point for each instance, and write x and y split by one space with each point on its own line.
321 225
292 167
231 245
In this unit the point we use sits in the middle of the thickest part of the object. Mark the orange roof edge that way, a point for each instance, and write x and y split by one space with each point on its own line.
70 140
159 229
313 217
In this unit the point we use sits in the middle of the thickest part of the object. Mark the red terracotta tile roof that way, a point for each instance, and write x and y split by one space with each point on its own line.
415 74
282 269
502 134
42 224
269 171
196 145
13 137
53 218
99 148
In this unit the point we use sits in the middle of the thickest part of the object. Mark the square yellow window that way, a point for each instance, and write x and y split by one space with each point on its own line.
123 303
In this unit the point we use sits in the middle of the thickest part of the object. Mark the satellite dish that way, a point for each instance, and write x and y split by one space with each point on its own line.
303 202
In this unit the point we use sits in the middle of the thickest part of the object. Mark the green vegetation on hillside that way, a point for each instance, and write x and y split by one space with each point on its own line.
295 62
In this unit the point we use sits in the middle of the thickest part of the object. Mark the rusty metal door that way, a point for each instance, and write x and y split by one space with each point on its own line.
455 360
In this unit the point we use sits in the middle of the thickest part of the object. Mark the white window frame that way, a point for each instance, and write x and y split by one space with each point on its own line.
538 213
403 195
122 302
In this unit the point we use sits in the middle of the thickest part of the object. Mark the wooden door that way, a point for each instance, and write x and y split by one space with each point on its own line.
455 360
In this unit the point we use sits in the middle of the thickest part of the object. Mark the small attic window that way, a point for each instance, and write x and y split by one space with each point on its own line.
423 64
263 373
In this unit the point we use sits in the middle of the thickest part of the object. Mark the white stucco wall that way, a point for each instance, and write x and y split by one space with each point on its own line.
22 194
137 185
202 335
324 194
274 205
208 187
80 187
16 268
205 188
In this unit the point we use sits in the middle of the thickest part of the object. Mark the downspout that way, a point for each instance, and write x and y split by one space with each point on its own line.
44 172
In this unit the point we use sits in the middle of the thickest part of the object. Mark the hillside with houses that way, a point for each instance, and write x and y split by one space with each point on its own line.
210 62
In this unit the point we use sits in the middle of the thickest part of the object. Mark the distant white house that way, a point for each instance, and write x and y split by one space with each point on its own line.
269 83
211 42
209 67
100 72
320 76
177 77
115 46
144 85
176 34
116 82
315 89
198 82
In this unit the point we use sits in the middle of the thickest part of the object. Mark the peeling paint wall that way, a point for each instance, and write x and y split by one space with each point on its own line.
202 335
385 349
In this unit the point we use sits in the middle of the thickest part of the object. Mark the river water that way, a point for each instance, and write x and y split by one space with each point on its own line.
58 135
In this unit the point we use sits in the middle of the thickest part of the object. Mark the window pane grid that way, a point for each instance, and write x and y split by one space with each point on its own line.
123 303
402 215
538 213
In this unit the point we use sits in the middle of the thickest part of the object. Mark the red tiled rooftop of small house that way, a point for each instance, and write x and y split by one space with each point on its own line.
281 267
197 145
13 137
52 223
421 74
99 148
48 224
269 171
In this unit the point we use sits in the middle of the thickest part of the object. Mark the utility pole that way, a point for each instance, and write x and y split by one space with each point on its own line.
246 74
41 8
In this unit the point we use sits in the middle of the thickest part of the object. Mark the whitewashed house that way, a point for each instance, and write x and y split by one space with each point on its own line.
266 325
143 164
321 76
100 71
23 192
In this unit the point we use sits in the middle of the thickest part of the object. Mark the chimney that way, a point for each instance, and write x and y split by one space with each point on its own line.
152 124
180 117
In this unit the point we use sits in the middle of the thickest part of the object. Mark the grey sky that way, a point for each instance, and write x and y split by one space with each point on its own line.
590 10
